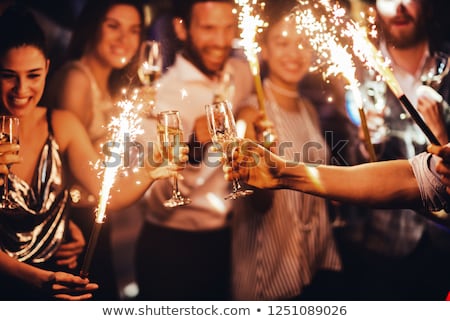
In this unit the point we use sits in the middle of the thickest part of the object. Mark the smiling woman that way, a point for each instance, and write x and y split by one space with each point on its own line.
39 245
101 59
34 235
282 246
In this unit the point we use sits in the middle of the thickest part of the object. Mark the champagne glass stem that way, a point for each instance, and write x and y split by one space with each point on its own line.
175 191
236 185
5 189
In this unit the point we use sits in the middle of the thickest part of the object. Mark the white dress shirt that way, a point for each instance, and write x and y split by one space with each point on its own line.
184 88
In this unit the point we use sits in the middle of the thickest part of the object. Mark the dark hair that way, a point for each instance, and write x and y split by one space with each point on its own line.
19 28
183 8
87 32
88 24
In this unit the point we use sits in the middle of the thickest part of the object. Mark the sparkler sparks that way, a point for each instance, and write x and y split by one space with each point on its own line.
333 57
126 126
333 27
250 23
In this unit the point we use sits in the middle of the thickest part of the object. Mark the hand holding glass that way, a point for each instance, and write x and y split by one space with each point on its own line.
170 134
222 128
435 69
9 134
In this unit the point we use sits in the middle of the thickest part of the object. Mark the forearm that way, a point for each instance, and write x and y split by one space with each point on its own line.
22 271
381 184
129 188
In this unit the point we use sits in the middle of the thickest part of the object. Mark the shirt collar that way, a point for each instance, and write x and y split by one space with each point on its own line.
190 73
384 50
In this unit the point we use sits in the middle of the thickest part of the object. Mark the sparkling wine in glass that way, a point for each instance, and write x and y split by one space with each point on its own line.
222 129
9 134
170 135
149 72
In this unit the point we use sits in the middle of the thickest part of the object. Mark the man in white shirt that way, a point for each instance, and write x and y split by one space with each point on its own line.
183 252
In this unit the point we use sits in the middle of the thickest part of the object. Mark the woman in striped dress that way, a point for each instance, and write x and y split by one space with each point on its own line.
283 247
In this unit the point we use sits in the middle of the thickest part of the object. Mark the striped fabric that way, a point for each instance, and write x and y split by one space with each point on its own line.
276 253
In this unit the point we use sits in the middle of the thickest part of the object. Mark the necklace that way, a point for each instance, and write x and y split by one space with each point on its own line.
282 91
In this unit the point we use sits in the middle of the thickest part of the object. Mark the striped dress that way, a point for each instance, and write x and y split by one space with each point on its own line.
276 253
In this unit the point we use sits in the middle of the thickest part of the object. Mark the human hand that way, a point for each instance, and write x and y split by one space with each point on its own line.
69 251
443 164
201 131
161 168
147 96
8 155
429 104
375 125
265 130
255 165
254 124
66 286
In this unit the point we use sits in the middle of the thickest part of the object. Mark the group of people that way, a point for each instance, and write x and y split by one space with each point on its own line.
40 243
278 243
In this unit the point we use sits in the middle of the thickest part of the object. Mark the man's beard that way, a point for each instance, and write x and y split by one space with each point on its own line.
191 53
404 40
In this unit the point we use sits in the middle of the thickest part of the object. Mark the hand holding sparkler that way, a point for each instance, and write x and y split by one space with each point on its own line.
250 23
323 30
371 56
69 251
66 286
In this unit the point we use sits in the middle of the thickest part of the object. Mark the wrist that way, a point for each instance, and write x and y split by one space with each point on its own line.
290 175
34 276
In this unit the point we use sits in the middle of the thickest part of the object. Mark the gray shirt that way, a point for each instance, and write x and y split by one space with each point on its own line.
435 199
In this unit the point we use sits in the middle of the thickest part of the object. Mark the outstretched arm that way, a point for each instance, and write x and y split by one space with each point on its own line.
382 184
81 155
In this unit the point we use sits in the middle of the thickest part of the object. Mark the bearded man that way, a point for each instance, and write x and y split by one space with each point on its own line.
403 256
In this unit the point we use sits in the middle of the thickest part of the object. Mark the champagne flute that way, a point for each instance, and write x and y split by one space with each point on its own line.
9 134
170 134
222 128
149 72
435 69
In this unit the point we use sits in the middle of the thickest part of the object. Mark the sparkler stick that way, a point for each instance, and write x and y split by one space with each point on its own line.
127 124
84 272
249 24
342 63
319 33
373 58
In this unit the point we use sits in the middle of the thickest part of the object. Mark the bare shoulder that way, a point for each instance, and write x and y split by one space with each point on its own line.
72 89
66 126
75 77
65 120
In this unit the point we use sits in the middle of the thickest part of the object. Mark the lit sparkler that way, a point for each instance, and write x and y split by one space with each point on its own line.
333 24
126 126
333 57
343 64
367 52
250 23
